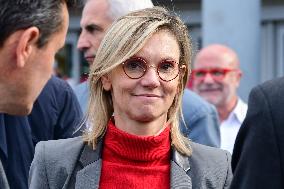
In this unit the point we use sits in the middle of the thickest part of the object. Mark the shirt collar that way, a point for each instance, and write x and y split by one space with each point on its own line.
239 112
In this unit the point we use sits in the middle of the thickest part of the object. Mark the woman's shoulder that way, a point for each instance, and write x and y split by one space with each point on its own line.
60 149
206 157
209 153
207 167
54 161
62 142
210 166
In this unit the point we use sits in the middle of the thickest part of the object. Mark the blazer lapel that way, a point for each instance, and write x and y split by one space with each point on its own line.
89 176
179 167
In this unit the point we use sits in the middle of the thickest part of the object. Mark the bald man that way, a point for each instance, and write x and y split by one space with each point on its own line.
216 77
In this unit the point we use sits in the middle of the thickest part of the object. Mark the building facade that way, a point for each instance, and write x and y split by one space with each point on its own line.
255 29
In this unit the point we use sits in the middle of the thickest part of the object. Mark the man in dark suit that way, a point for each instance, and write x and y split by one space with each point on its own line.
258 157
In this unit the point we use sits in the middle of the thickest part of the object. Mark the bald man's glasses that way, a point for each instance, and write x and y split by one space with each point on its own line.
217 74
136 67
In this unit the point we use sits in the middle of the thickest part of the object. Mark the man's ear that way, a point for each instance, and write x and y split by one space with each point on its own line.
238 77
106 82
26 44
240 74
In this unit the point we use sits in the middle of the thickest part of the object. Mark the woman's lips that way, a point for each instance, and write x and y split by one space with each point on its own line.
147 95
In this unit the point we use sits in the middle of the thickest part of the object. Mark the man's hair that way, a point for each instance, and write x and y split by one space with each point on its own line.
46 15
119 8
123 40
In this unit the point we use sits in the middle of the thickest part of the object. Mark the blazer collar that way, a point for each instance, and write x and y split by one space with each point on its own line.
89 175
179 168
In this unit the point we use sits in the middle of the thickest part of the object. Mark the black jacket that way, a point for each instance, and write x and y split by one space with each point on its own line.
258 157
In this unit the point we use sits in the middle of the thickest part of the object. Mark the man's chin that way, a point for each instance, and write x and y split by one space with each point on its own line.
20 109
90 60
212 99
90 63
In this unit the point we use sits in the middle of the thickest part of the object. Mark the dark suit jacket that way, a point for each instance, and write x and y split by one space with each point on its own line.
258 157
69 163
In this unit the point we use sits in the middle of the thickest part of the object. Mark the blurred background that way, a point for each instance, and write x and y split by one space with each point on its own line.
253 28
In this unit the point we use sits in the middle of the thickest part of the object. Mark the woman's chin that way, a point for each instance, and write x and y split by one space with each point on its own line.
144 117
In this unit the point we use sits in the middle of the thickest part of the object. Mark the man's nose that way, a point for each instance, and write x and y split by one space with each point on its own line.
83 42
208 78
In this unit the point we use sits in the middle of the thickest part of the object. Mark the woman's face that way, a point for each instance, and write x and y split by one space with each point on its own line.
148 98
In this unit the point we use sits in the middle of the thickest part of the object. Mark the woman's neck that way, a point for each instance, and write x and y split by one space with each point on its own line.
149 128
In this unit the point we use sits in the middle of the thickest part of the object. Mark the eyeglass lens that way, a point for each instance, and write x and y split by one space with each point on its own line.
136 68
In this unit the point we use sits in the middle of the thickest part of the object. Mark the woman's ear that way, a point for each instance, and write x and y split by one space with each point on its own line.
106 82
182 71
26 44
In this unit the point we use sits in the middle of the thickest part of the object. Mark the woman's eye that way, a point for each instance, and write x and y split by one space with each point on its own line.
135 65
166 66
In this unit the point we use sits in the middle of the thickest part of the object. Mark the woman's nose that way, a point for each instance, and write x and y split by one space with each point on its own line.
151 78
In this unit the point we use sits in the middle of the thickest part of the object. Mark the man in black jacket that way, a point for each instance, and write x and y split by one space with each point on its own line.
258 157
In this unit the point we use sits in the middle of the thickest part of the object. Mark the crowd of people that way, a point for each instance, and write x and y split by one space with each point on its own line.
133 124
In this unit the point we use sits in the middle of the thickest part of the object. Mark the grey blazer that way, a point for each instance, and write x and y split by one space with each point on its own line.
69 163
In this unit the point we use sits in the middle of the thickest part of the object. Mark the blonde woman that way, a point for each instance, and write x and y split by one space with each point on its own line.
137 81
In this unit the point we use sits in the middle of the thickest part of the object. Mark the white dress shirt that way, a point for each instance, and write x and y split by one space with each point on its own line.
229 128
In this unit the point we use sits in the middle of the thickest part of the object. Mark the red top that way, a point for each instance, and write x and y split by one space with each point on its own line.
131 161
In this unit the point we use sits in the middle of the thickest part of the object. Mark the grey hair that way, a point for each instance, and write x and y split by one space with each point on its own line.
119 8
124 39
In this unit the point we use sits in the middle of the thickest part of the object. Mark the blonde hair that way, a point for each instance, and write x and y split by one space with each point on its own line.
124 39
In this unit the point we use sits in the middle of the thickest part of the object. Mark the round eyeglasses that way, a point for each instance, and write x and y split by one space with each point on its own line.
136 67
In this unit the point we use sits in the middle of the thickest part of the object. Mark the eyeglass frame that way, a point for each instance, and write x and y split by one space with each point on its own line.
224 72
149 66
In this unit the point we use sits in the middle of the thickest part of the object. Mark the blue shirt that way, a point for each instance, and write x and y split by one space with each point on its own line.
201 119
56 114
82 93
